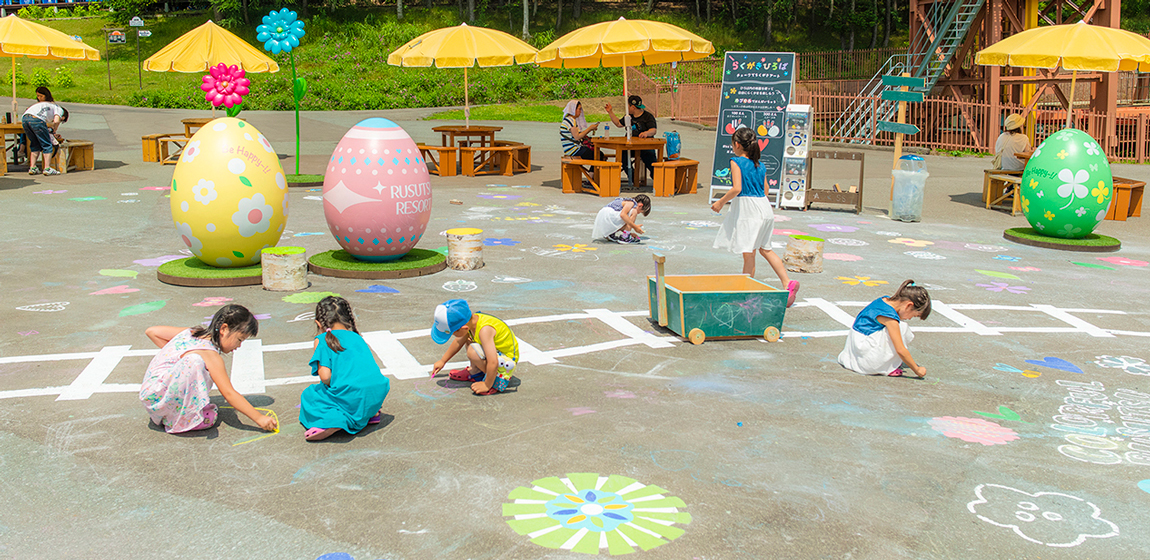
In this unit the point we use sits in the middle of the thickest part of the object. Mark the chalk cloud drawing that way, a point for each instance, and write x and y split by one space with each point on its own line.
847 242
45 307
1049 518
590 514
973 430
1129 364
459 286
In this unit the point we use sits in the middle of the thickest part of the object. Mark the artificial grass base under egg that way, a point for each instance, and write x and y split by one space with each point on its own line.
340 264
304 180
192 272
1092 243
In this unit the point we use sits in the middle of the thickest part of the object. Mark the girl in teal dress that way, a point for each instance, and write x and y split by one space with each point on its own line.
352 388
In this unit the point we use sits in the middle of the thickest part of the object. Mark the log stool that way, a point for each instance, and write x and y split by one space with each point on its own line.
465 248
284 269
804 254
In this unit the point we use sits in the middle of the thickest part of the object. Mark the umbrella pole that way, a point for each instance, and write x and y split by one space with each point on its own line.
466 101
1070 102
626 105
14 111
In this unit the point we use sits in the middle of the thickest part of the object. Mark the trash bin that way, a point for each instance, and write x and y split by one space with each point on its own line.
909 182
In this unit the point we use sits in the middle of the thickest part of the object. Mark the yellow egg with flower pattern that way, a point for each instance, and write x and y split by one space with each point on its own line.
229 194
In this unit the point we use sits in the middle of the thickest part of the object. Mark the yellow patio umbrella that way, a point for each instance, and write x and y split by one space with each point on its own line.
1074 46
624 43
463 46
19 37
205 47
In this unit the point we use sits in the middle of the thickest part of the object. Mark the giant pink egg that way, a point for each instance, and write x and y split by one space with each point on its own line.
377 192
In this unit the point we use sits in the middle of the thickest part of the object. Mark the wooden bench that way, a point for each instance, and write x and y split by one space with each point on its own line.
605 180
676 176
998 186
172 156
1127 200
154 150
445 158
520 155
74 154
489 160
852 195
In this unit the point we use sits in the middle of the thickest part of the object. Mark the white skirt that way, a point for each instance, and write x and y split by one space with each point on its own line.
874 353
748 225
607 221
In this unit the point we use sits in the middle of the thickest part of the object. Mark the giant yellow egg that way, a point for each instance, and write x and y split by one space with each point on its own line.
229 194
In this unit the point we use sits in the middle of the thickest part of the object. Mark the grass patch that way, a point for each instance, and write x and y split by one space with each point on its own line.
1091 240
284 250
514 112
342 260
192 267
304 178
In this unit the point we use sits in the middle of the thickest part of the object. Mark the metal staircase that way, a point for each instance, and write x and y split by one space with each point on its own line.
929 56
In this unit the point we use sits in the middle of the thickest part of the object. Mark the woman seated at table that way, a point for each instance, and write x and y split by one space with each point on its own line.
1012 141
40 122
643 125
574 133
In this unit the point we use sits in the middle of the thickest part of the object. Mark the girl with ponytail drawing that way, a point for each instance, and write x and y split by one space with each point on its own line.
351 388
877 341
749 224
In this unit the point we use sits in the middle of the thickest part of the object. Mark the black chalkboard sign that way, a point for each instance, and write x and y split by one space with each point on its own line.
755 93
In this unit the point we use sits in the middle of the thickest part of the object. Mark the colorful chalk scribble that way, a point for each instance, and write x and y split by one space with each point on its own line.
588 513
973 430
1129 364
1049 518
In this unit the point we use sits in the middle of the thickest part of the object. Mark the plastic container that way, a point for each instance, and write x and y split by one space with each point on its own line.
909 184
606 131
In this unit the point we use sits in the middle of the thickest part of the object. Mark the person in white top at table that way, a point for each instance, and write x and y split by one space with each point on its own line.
40 122
1012 141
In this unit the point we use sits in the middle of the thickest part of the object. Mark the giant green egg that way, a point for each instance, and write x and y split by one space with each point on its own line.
1067 185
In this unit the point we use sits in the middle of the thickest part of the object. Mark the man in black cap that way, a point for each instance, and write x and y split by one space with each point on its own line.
643 125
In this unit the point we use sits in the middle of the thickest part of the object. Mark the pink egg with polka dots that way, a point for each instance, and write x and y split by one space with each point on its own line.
377 192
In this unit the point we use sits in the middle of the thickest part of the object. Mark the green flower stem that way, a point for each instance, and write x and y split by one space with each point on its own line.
293 78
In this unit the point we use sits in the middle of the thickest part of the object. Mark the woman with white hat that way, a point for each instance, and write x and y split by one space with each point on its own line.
1011 141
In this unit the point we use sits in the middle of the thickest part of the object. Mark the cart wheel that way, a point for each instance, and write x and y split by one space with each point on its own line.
696 336
772 334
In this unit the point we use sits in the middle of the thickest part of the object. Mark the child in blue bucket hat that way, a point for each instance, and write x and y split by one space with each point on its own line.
484 335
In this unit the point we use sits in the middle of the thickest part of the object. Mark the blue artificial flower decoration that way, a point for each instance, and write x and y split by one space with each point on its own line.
281 31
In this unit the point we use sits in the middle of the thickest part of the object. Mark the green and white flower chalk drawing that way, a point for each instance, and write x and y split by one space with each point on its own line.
1049 518
589 513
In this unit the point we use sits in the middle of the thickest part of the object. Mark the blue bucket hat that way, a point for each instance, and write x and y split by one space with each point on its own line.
450 316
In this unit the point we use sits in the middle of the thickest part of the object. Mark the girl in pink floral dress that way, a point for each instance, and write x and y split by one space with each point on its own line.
175 388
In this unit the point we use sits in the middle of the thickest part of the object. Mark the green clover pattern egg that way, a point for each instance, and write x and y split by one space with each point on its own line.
1067 185
229 194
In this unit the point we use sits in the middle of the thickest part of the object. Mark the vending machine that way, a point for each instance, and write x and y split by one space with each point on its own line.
796 142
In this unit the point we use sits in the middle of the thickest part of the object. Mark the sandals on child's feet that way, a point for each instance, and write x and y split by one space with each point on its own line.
316 434
490 391
792 291
896 373
376 419
461 374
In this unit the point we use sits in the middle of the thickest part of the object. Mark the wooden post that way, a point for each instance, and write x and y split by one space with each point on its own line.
284 269
660 295
898 135
465 249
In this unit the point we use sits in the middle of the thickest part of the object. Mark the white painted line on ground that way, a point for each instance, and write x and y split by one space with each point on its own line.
397 361
831 309
627 328
94 375
970 324
532 355
1065 317
247 373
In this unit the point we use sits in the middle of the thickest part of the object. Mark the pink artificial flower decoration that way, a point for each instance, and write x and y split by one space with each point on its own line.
225 85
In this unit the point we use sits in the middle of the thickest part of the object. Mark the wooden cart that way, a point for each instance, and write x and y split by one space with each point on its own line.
699 307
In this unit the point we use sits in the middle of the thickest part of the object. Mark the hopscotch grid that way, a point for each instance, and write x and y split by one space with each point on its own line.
92 378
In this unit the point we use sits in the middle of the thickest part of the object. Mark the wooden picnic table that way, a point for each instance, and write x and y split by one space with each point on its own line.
5 130
623 144
191 125
485 135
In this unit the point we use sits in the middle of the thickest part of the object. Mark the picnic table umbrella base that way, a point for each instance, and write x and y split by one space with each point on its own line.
1092 243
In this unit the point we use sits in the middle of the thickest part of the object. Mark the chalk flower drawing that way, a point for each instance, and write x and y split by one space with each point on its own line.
587 513
974 430
923 255
864 280
1049 518
1129 364
1004 287
459 286
841 257
910 242
1123 261
576 248
828 228
847 242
